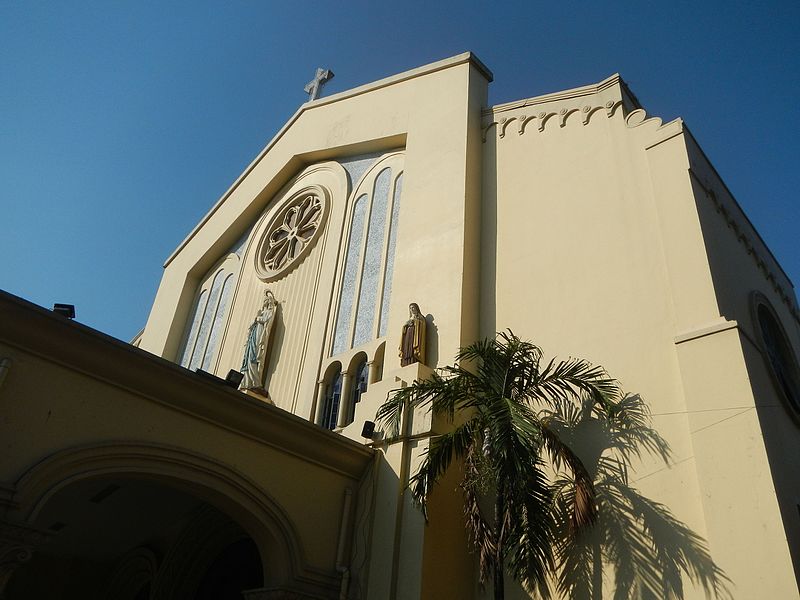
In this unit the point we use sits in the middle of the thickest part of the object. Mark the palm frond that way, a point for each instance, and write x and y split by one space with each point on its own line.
584 508
390 413
569 378
530 547
522 417
442 450
629 418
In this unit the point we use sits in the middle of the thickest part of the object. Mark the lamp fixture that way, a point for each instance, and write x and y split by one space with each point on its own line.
368 431
234 378
65 310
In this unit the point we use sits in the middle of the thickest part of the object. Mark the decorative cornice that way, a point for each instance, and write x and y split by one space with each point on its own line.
562 107
742 233
560 116
654 125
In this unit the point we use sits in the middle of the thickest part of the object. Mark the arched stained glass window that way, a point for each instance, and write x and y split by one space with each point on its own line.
191 339
392 245
779 355
366 282
341 339
207 321
218 323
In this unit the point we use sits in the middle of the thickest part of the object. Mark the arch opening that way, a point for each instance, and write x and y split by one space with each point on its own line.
167 479
129 538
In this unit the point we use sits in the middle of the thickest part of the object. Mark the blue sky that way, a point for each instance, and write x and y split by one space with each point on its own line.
121 123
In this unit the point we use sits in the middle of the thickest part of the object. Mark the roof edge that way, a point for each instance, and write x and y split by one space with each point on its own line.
447 63
578 92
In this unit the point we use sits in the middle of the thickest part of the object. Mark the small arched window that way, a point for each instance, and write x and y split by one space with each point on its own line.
333 397
377 363
358 387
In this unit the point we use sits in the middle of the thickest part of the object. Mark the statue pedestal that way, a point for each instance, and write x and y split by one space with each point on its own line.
262 395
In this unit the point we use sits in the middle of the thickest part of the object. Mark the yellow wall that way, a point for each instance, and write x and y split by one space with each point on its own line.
597 244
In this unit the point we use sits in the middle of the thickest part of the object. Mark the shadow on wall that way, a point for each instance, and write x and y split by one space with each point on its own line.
488 265
635 540
432 341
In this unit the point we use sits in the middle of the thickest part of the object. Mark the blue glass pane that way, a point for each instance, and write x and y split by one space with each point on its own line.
341 336
356 166
205 324
197 316
373 257
238 247
392 244
218 323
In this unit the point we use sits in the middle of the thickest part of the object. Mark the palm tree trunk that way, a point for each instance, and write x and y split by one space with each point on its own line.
499 584
499 591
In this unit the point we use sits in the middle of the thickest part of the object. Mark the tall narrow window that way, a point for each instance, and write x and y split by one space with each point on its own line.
218 323
373 257
359 386
365 289
392 244
352 264
207 322
212 306
191 339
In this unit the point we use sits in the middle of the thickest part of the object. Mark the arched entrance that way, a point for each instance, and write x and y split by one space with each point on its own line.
140 522
126 538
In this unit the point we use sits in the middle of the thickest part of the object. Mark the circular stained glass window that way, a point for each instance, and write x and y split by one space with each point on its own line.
291 233
779 355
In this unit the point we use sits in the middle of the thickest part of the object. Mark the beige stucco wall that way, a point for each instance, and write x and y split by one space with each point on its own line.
599 249
579 267
742 267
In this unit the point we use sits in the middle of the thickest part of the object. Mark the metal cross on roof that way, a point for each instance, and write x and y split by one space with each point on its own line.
314 87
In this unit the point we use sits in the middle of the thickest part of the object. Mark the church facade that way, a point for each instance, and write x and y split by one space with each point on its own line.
380 230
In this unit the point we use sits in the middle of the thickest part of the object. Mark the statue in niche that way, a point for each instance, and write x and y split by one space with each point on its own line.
254 361
412 339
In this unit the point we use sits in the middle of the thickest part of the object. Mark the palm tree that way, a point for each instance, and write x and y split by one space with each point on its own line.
506 395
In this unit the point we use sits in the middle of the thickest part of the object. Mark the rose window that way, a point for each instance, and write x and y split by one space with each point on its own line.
291 234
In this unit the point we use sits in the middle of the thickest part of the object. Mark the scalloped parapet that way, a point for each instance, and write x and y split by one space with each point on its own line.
653 126
557 110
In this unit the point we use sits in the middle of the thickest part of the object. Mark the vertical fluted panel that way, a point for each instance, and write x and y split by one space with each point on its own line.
295 294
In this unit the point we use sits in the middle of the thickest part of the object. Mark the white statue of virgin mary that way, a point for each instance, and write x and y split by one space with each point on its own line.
255 351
